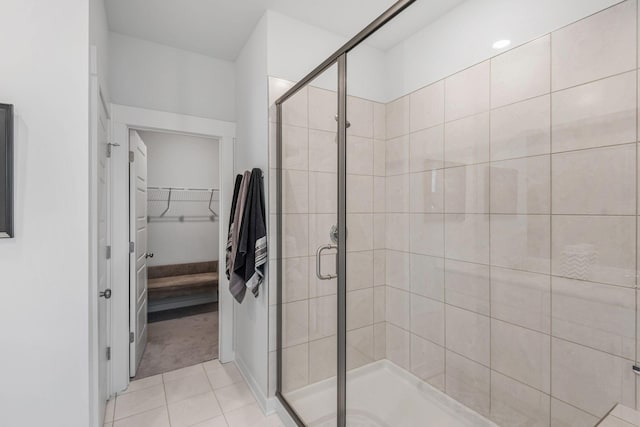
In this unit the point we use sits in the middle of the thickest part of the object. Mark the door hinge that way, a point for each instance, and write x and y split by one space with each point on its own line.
132 247
110 146
108 254
108 353
132 156
131 337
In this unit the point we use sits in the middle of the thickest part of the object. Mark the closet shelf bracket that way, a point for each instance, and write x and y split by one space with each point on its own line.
168 203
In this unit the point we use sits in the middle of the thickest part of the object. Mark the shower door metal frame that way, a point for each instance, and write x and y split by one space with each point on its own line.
339 58
342 242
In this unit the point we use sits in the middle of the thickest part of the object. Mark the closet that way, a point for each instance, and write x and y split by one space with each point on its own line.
189 283
183 263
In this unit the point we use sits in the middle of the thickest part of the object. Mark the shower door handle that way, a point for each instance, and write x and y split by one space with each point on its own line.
319 262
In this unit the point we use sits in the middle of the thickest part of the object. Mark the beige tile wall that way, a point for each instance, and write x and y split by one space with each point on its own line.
492 224
511 202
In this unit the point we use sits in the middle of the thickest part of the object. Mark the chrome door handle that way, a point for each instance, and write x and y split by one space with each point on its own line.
319 262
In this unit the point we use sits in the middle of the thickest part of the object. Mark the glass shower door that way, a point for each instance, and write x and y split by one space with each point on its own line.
365 245
307 172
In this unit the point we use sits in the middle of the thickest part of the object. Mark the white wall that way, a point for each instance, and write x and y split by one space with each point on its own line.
157 77
251 100
183 161
44 270
251 317
464 36
296 48
292 57
99 37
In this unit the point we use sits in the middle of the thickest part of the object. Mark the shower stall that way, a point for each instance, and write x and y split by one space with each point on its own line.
455 219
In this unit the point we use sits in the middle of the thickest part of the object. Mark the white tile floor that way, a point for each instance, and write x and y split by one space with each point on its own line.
206 395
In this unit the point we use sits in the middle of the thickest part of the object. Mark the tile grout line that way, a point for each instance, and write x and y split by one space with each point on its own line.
488 208
138 414
550 226
308 130
520 270
410 227
373 229
386 230
435 213
444 235
385 252
510 377
637 16
516 325
490 161
113 415
215 396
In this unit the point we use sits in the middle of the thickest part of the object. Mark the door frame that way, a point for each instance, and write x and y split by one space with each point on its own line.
124 118
97 102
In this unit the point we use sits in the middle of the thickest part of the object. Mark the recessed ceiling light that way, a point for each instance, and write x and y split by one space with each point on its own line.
501 44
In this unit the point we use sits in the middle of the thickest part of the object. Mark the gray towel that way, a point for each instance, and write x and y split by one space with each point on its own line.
236 282
251 256
234 203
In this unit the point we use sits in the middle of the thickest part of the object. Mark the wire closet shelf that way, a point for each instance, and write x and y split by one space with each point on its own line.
166 196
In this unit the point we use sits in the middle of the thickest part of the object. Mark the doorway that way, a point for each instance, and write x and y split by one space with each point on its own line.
123 120
175 235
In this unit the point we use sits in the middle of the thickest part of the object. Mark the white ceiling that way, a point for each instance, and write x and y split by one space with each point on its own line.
219 28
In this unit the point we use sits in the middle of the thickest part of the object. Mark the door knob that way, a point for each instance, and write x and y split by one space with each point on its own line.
348 123
333 233
106 294
149 255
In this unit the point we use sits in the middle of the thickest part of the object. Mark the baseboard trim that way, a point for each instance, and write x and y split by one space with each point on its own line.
277 407
255 388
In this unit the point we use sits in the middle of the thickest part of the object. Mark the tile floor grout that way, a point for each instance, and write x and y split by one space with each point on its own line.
239 410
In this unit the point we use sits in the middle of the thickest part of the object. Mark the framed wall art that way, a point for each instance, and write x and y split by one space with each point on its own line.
6 171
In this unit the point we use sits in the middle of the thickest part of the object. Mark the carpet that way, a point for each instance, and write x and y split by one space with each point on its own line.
178 343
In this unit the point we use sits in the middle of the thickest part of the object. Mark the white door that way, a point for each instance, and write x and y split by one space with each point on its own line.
138 255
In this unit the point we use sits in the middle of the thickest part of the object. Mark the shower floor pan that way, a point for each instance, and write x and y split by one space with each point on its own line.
383 395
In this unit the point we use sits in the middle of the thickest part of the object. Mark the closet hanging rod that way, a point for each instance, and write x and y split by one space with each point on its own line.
182 218
183 189
180 190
